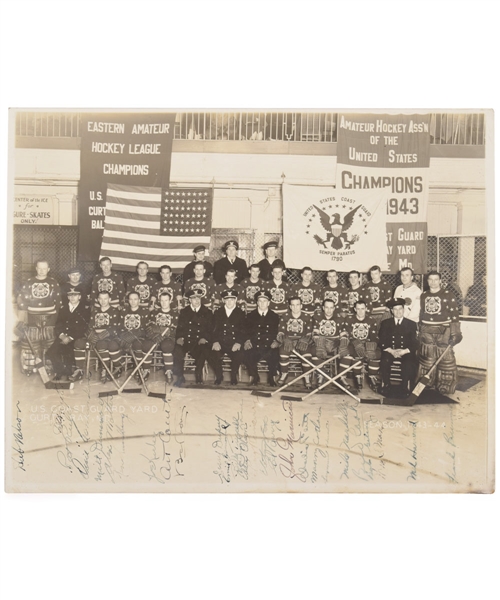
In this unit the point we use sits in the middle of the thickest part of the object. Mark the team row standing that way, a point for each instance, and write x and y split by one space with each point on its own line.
114 326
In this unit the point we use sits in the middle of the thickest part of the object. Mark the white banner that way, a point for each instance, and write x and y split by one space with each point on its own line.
325 230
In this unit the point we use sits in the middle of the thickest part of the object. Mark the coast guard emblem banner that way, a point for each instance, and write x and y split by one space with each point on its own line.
388 153
118 148
327 230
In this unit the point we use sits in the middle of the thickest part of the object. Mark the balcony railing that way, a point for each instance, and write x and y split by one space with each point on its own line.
445 128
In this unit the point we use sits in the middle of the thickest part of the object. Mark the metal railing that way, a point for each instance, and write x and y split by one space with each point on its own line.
445 128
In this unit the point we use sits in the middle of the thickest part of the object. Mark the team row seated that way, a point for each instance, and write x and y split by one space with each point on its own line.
112 330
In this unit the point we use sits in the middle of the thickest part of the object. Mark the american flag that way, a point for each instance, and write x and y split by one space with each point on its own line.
157 226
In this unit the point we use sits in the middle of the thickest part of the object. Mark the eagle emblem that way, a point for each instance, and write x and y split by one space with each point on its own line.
433 305
277 295
295 325
360 331
132 321
336 230
327 327
101 319
163 319
143 291
40 290
374 293
306 295
165 289
105 285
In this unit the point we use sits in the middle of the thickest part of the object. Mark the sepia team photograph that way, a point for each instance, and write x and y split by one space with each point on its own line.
250 301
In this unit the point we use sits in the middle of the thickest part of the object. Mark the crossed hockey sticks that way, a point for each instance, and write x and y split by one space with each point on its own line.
270 394
138 365
330 380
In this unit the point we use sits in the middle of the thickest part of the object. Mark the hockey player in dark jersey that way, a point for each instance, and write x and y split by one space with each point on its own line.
167 284
439 327
336 292
308 292
294 333
143 284
327 326
278 289
380 293
204 288
75 283
250 286
105 324
358 341
229 285
161 330
132 332
38 303
356 292
107 281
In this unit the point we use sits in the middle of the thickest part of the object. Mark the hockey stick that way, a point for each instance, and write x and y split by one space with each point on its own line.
330 380
108 371
425 379
42 371
270 394
139 365
140 373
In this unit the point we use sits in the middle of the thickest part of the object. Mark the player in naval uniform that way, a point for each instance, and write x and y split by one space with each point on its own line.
261 342
266 264
193 335
230 261
72 323
439 327
199 256
228 336
398 341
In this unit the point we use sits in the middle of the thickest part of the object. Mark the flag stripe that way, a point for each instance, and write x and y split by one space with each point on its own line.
140 242
136 196
146 226
147 249
139 208
132 215
130 233
151 257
